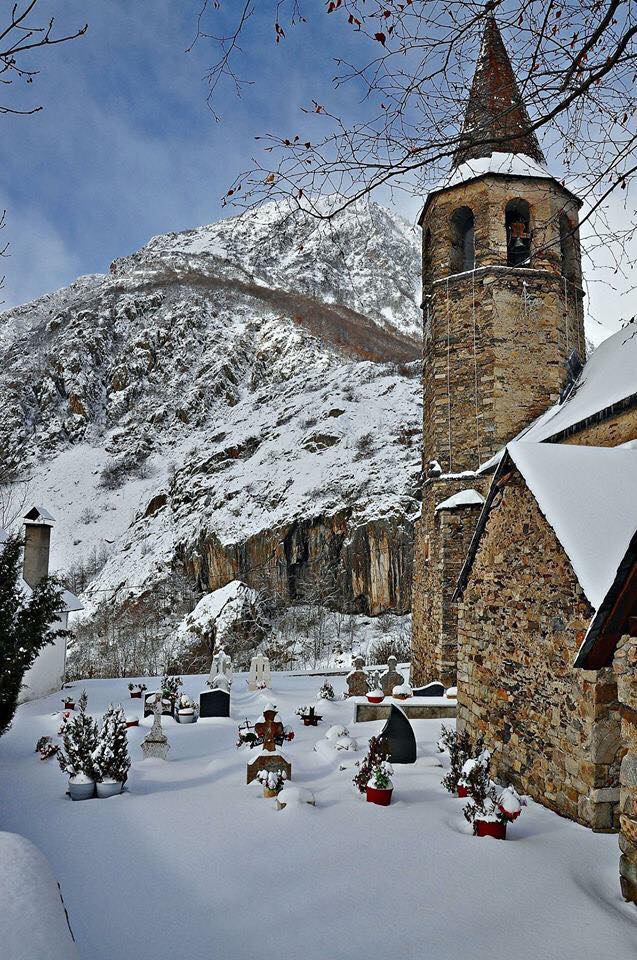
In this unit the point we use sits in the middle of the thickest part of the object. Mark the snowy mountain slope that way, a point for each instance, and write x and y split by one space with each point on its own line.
219 402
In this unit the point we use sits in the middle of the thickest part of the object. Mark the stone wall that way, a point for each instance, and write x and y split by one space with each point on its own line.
615 429
356 567
442 541
554 730
625 667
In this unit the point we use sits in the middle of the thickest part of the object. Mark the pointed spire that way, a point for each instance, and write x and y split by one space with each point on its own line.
495 119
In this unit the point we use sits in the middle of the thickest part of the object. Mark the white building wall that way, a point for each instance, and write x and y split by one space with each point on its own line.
47 673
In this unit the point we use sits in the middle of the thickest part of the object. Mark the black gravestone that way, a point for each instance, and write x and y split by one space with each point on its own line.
429 690
214 703
399 737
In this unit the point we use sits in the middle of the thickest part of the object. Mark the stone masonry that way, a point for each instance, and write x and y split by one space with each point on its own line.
625 668
554 730
443 537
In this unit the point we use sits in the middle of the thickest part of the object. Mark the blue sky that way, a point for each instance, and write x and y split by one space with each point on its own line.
126 146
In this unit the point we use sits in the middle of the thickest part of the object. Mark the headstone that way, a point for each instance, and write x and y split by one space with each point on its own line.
259 675
391 678
220 682
214 703
429 690
155 744
149 704
269 729
399 736
357 682
221 667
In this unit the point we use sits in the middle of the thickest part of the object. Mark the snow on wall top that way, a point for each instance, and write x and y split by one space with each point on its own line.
587 494
464 498
609 376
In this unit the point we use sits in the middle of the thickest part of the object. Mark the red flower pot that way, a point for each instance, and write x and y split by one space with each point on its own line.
381 797
69 704
310 721
490 828
375 699
132 723
462 791
135 694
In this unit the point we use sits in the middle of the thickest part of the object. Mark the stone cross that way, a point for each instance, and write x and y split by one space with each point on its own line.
221 667
269 728
391 678
259 675
155 744
357 682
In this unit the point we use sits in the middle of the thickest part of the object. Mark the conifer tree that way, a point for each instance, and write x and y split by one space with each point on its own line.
25 623
79 743
112 760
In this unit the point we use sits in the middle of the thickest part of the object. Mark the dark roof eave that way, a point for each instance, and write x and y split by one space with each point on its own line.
463 578
602 637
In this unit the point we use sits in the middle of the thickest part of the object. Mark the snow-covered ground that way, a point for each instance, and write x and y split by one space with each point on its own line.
191 861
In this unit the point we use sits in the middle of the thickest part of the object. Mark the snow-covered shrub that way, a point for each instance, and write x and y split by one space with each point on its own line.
326 692
389 646
186 703
170 687
381 776
460 747
272 779
111 757
134 687
336 732
375 759
79 743
303 711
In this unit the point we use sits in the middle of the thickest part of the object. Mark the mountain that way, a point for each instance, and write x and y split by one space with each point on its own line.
239 401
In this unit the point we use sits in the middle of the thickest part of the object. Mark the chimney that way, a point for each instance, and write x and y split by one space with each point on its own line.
37 543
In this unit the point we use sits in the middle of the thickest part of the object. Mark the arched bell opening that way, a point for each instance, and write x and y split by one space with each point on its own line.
462 253
517 218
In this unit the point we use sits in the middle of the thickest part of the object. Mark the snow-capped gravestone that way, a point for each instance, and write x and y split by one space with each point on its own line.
269 729
155 744
434 689
214 703
357 681
220 682
399 736
221 667
260 675
391 678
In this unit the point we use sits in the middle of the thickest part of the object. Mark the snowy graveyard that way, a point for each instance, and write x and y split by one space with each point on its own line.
191 860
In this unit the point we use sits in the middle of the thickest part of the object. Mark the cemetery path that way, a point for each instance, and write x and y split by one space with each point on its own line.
191 861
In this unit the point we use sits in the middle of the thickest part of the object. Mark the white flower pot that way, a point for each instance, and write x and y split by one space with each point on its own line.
82 790
186 716
109 788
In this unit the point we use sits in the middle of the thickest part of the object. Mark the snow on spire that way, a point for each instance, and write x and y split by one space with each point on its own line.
495 119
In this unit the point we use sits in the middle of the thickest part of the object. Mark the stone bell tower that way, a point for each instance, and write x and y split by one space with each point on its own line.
503 311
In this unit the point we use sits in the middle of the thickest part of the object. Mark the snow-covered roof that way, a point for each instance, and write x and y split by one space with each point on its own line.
39 514
589 497
464 498
506 164
71 602
608 378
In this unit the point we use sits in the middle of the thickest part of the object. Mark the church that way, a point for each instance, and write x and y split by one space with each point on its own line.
525 582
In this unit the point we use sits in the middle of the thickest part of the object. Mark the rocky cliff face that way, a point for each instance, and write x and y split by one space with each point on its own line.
240 401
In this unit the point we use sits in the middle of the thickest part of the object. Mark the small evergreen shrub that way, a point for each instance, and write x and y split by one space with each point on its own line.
79 743
111 757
